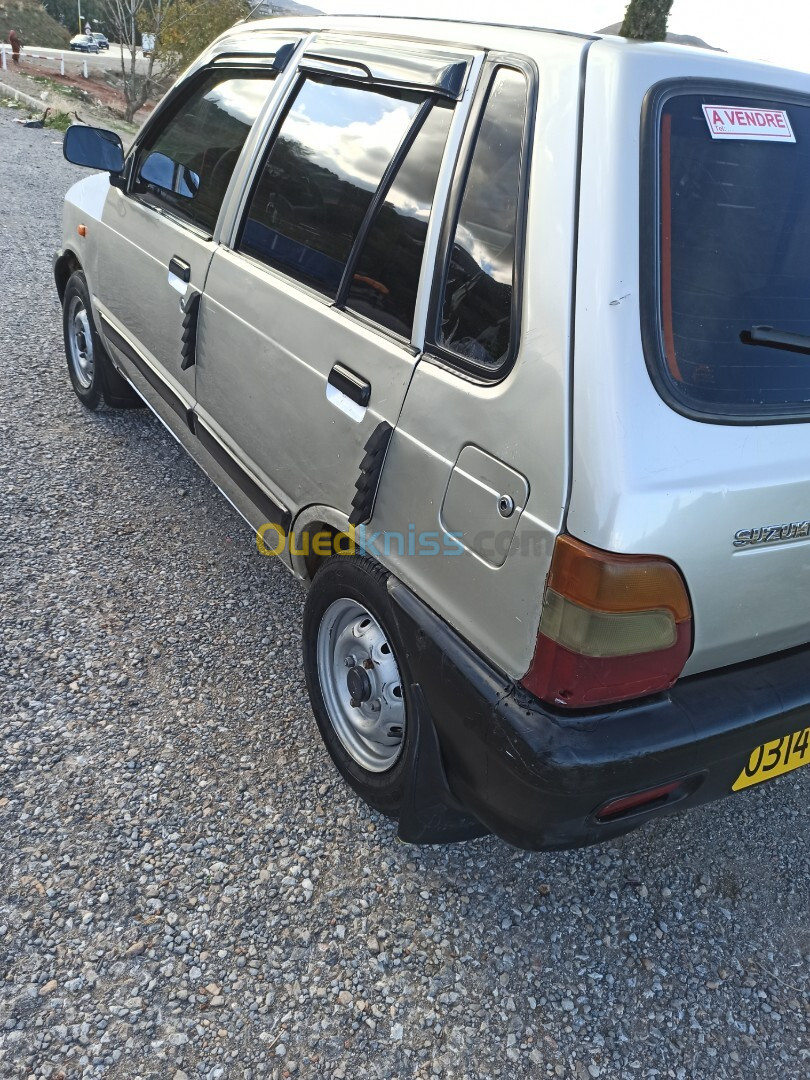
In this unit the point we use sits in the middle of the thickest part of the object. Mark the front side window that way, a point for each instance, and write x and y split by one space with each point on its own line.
476 310
319 177
186 166
732 237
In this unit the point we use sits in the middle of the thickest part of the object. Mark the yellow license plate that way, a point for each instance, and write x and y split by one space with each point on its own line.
775 758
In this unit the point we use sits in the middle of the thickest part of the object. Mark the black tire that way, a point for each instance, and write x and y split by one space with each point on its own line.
360 579
97 379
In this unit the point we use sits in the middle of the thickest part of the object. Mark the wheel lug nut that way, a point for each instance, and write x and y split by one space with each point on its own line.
374 705
350 661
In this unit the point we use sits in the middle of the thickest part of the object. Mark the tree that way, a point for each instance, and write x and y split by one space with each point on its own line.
66 12
181 30
194 24
646 20
126 21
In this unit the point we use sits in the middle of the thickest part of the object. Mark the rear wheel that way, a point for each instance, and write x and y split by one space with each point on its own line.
354 664
91 371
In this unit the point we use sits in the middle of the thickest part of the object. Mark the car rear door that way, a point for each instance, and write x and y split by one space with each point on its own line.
307 324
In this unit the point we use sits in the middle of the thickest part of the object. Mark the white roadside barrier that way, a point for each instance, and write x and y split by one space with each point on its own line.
27 55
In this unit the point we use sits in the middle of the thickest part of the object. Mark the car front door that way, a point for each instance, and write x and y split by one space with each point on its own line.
158 236
308 322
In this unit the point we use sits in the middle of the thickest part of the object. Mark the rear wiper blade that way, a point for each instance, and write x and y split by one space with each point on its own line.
776 339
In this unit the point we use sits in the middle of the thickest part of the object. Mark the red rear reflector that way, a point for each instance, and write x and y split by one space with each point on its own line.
613 627
634 802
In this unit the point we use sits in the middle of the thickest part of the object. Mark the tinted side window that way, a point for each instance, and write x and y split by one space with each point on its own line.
386 276
320 175
475 318
186 165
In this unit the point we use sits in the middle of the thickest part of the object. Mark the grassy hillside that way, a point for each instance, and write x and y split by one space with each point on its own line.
33 24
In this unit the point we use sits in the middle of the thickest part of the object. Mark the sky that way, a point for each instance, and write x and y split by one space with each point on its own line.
777 30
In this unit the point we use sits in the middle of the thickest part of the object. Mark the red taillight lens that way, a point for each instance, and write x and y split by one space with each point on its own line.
613 627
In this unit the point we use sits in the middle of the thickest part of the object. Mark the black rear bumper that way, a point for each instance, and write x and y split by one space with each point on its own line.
537 777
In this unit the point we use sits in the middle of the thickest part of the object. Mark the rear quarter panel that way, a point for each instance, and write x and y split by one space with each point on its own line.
522 421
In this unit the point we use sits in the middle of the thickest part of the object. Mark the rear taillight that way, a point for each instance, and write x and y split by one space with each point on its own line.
613 627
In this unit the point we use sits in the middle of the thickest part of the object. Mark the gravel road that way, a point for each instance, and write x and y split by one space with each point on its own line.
186 887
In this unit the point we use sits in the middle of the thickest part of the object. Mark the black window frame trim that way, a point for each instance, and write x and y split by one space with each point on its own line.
484 374
650 298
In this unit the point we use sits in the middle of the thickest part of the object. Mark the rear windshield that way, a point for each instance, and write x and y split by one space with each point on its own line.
734 254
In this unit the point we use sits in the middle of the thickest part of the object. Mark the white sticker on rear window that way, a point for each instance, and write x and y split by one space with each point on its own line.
733 122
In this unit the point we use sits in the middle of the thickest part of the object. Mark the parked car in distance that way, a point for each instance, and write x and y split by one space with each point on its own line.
498 338
84 43
101 40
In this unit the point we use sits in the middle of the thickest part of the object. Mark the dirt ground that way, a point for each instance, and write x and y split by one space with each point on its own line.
90 100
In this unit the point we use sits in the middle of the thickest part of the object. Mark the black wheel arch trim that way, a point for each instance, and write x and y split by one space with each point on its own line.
65 263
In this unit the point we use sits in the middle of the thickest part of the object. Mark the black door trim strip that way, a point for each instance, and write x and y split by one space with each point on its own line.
273 511
146 369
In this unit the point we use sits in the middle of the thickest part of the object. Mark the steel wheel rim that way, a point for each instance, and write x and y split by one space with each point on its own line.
80 343
361 685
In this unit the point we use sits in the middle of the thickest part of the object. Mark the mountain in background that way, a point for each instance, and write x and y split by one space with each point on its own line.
673 39
33 24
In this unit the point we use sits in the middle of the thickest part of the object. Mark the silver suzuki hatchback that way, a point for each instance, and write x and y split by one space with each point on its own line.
500 339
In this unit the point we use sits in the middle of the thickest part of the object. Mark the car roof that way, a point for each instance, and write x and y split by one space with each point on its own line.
501 36
459 32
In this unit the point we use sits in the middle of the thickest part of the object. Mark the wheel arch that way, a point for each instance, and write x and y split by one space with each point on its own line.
65 264
307 554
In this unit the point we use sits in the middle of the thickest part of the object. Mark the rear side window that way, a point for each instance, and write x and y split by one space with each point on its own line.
320 175
186 164
476 317
385 277
733 235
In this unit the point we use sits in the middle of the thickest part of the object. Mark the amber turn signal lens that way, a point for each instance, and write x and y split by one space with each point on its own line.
606 582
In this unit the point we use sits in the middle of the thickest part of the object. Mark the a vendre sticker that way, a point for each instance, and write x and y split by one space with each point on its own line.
731 122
